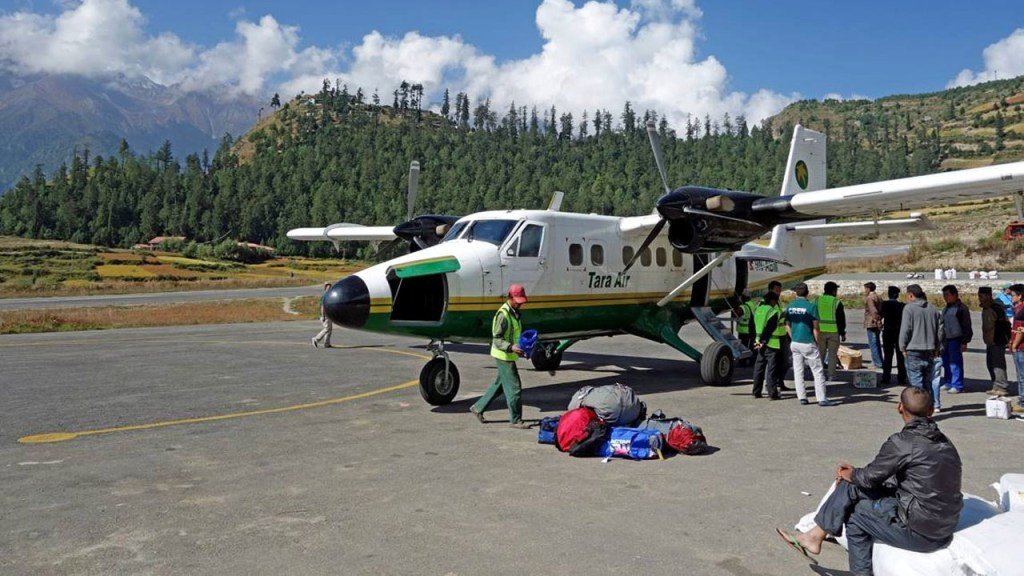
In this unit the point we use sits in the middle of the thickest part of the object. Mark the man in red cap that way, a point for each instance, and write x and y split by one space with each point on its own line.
505 331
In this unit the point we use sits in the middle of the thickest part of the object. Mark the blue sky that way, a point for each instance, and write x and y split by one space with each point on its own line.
811 47
681 57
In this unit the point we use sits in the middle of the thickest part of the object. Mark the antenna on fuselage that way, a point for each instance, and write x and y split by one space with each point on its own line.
556 202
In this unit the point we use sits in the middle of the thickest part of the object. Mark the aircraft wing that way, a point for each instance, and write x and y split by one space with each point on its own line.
905 193
638 225
344 233
916 222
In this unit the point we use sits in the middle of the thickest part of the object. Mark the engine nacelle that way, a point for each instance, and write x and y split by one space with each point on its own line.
699 234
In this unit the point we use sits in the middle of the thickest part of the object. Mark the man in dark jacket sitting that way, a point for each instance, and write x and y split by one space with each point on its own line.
908 497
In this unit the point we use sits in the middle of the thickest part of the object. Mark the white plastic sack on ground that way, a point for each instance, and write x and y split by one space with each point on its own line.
1011 492
986 543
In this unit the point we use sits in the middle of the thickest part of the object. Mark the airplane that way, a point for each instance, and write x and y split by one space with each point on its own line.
591 275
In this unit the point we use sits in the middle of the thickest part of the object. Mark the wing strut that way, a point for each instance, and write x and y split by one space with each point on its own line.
693 279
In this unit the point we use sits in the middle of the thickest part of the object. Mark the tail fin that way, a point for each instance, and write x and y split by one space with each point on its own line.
805 172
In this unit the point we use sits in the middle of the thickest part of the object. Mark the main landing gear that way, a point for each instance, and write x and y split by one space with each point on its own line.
439 379
717 364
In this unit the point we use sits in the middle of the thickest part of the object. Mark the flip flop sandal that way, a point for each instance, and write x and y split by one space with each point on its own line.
793 543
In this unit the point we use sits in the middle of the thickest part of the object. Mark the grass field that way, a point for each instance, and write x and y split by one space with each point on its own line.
112 317
964 236
51 268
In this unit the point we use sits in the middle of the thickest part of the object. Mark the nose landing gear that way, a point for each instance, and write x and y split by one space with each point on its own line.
439 379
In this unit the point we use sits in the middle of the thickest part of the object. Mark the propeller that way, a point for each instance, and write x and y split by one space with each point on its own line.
659 159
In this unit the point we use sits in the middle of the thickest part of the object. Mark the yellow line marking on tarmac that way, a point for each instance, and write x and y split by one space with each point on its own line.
50 437
63 436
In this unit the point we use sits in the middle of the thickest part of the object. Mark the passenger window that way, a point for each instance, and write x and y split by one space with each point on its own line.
531 237
575 255
660 257
645 257
677 258
627 254
597 255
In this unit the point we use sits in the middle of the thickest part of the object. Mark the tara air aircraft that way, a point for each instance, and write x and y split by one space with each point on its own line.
591 275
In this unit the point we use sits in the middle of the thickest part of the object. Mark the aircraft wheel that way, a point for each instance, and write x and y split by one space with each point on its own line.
545 359
716 365
435 388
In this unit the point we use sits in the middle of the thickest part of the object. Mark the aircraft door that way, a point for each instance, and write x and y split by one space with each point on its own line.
524 257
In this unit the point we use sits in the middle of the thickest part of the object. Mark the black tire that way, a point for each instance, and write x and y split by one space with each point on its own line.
434 387
717 364
543 361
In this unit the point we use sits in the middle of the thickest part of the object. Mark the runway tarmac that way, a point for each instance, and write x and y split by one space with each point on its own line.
153 298
328 461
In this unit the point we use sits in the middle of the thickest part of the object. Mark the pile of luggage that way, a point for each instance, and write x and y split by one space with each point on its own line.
612 422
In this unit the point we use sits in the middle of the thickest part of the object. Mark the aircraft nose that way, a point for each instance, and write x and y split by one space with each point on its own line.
347 303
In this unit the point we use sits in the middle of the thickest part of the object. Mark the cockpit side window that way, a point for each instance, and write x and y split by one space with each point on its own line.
490 231
530 239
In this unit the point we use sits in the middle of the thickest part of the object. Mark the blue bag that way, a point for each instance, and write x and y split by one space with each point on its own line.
632 443
548 430
527 340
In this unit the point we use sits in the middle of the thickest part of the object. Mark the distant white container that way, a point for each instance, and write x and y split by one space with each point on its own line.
983 275
993 275
972 275
952 273
939 273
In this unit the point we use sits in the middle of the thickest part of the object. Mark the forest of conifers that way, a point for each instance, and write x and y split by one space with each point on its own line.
333 157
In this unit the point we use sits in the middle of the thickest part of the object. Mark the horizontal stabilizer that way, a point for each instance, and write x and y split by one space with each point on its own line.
344 233
916 222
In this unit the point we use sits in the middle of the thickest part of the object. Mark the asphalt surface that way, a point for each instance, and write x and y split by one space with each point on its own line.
385 484
154 298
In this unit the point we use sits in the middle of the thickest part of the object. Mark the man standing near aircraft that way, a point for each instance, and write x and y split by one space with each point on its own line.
745 321
921 330
505 331
832 323
802 324
956 319
784 351
328 326
873 322
769 328
892 319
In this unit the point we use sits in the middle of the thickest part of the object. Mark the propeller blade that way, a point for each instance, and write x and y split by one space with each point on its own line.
652 133
414 183
647 242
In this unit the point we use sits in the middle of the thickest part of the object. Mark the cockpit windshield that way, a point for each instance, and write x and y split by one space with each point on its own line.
490 231
454 232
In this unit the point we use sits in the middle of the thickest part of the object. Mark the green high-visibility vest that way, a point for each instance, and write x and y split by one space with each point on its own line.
827 306
764 313
513 329
746 313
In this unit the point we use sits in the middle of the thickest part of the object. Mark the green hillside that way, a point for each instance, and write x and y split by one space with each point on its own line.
972 126
334 156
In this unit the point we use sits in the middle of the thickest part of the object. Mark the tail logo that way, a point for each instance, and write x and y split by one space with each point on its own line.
801 174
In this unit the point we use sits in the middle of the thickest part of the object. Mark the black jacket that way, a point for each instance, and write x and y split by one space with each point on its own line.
892 317
925 467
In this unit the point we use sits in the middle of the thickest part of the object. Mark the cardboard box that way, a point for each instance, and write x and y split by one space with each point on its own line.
850 359
865 379
996 407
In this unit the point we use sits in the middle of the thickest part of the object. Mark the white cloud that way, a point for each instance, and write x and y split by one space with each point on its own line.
594 55
1004 59
91 38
